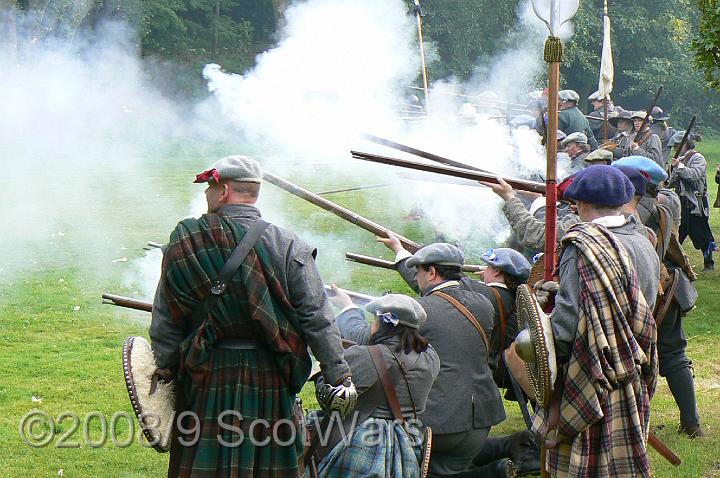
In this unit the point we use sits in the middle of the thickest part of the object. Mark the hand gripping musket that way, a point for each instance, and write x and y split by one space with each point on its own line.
339 211
521 184
688 130
384 264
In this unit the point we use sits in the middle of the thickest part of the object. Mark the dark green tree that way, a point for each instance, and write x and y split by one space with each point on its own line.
706 44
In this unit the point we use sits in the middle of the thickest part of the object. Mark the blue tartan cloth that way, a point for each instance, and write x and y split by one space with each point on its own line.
378 448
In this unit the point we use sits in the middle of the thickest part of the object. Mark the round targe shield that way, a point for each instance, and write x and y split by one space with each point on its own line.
155 411
540 358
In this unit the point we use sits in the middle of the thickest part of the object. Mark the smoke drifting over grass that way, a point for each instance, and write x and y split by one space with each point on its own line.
83 141
87 141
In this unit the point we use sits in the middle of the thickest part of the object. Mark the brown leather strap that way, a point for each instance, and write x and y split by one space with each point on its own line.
503 318
386 381
468 315
667 298
553 419
646 134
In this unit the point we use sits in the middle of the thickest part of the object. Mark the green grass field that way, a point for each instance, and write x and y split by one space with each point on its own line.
60 347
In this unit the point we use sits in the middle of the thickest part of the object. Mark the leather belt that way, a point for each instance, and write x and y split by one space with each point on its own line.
238 344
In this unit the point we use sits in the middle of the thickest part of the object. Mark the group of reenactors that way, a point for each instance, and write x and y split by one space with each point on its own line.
423 377
619 129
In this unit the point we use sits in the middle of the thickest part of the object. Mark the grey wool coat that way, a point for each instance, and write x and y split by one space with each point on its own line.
690 182
567 302
464 395
421 369
294 262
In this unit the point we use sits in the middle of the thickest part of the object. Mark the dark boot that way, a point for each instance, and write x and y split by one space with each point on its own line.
525 454
497 469
682 388
708 257
495 448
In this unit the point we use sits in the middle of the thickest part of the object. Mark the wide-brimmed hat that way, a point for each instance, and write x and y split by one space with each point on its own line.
621 115
658 114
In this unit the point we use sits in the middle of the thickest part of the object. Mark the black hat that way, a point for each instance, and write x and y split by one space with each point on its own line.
658 114
622 114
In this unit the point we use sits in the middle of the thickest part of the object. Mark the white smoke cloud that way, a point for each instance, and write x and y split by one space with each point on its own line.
329 80
84 127
85 140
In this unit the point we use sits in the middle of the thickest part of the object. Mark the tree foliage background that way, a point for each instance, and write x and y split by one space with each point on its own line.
651 40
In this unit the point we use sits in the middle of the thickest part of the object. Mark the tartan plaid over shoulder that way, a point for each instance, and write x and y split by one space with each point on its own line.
254 304
612 370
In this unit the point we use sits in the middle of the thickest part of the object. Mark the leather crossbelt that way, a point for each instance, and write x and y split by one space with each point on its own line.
238 344
468 315
387 382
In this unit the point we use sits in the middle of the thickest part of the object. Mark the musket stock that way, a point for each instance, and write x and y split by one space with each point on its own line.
127 302
663 450
339 211
521 184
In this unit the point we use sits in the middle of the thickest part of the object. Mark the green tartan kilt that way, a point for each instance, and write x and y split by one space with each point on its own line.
245 415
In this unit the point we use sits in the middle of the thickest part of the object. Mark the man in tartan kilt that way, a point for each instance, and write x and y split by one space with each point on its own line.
605 337
239 363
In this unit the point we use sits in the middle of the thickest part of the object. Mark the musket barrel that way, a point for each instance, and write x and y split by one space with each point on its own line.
339 211
420 153
369 261
356 297
521 184
384 264
128 302
685 138
646 120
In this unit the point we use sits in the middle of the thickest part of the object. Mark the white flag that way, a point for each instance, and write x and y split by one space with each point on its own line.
607 72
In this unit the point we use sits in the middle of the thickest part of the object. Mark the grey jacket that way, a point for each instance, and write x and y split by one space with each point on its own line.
685 292
530 231
690 182
664 133
464 395
577 164
567 301
650 148
598 125
294 263
421 373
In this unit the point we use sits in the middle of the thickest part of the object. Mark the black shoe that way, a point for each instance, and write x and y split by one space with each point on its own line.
709 268
527 467
692 431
